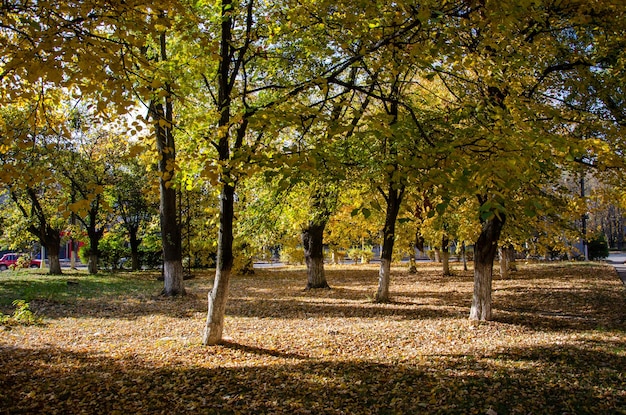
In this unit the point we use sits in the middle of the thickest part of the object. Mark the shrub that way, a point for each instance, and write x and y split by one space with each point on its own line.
83 254
112 249
151 251
21 316
23 261
354 254
363 255
367 254
598 248
292 255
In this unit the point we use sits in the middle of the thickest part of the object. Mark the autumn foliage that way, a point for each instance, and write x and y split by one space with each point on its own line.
557 345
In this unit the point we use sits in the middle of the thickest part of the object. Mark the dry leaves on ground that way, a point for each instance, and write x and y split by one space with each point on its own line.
557 345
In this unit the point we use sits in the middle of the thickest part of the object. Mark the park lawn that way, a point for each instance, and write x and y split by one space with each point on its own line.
110 344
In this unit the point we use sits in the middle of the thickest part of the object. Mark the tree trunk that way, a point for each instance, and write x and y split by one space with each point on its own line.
504 266
464 255
512 265
312 241
92 265
445 256
412 263
507 261
484 254
219 293
437 255
170 228
134 249
72 254
393 199
53 246
95 235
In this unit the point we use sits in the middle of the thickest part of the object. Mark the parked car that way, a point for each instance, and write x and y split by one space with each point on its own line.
8 260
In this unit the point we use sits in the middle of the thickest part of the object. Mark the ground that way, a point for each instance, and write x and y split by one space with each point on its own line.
109 345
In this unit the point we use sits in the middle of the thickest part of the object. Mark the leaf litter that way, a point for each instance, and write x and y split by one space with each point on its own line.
557 344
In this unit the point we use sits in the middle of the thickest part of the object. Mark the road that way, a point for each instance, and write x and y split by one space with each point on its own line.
618 259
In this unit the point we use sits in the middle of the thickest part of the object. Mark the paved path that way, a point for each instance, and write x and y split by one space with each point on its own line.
618 261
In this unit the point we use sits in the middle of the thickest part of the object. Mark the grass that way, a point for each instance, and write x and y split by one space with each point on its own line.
110 344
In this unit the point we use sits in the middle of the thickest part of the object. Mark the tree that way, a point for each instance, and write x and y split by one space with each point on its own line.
510 118
30 176
88 159
130 201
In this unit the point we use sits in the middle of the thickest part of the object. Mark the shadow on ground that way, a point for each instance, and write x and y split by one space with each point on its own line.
546 380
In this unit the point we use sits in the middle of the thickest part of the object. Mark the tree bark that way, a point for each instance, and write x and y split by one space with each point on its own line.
53 246
445 256
512 265
95 235
484 254
507 261
171 241
412 262
464 255
170 227
504 266
393 199
92 264
219 293
312 241
134 249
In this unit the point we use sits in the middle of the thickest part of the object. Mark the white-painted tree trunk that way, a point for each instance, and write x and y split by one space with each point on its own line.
172 282
384 278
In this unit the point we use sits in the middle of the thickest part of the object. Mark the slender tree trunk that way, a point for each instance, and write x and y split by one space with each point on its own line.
134 249
512 265
171 240
72 254
504 266
219 294
445 255
507 261
464 255
437 255
484 254
312 241
95 235
412 262
393 198
163 117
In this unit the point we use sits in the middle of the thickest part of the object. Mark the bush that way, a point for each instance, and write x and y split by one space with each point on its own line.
23 261
83 254
597 247
151 251
112 249
354 254
21 316
363 255
292 255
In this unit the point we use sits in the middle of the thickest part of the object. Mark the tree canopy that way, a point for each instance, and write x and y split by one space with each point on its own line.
432 121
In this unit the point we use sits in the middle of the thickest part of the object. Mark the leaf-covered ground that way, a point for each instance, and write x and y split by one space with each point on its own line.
557 346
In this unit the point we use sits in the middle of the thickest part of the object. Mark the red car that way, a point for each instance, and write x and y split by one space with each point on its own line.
8 260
